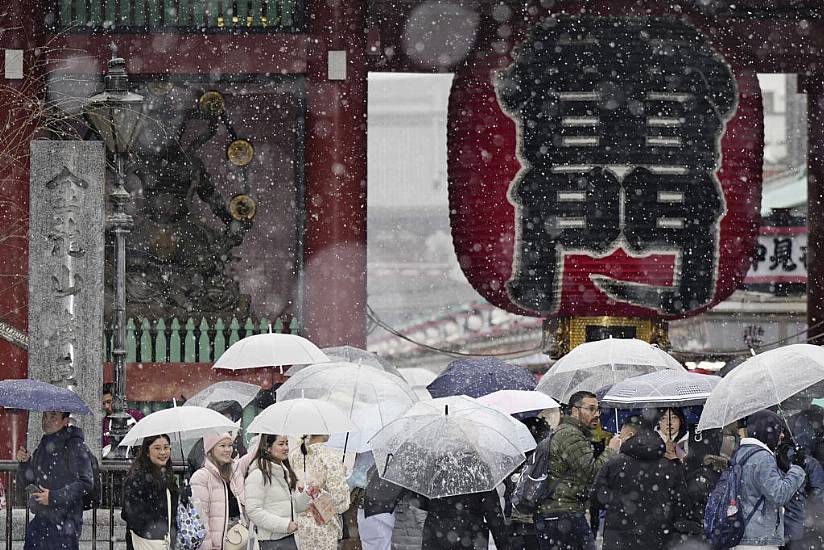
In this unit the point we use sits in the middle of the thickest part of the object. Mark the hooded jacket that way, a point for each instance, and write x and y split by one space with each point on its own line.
640 491
760 477
61 465
573 464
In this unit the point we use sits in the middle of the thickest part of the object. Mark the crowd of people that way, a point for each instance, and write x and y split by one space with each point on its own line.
644 488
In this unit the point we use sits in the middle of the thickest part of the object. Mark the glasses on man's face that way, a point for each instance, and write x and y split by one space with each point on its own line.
591 409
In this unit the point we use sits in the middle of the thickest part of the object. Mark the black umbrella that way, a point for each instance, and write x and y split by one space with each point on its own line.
381 496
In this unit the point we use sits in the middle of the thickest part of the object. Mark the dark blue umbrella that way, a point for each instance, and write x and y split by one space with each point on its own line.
477 377
34 395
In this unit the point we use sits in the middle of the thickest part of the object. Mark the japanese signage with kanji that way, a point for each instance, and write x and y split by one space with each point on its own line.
66 251
780 256
610 166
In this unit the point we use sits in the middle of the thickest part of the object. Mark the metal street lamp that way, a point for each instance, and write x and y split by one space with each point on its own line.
116 114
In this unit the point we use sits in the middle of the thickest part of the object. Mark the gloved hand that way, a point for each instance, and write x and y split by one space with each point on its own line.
782 456
800 456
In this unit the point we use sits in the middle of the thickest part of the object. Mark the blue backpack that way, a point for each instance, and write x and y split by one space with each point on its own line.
724 520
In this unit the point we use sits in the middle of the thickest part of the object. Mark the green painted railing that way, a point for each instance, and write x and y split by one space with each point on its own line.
189 340
277 15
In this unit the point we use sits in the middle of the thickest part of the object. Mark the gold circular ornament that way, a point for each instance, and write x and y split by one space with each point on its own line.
240 152
211 103
160 87
242 207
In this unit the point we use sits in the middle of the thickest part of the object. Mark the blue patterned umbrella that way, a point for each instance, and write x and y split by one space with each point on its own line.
478 377
34 395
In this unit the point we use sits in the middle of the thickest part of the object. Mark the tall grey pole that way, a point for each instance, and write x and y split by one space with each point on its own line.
120 224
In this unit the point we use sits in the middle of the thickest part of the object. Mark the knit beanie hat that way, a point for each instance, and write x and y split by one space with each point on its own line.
765 426
211 440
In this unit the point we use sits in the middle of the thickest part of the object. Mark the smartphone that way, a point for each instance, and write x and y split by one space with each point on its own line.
32 488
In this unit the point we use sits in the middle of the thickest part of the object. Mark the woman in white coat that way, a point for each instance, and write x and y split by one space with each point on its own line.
274 497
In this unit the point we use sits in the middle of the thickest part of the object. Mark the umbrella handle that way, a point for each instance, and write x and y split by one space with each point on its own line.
386 465
345 443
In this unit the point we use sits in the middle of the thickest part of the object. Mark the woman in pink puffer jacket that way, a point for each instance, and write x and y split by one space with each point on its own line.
217 489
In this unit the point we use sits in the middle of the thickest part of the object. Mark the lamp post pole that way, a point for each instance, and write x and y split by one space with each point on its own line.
116 113
120 224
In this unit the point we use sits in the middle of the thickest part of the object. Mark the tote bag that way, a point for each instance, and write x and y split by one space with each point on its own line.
191 532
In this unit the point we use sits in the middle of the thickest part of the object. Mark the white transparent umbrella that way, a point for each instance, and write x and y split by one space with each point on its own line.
370 398
189 422
463 405
516 401
226 390
270 350
764 381
301 416
418 376
351 354
666 388
445 452
594 365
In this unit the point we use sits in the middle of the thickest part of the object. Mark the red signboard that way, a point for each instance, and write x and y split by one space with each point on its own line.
610 166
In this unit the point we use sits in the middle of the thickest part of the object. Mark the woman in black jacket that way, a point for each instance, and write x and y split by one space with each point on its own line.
145 507
462 522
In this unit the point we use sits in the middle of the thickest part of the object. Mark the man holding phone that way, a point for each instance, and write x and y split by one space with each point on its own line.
56 475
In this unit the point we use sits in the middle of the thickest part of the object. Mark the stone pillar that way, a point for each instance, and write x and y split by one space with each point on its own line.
66 248
813 86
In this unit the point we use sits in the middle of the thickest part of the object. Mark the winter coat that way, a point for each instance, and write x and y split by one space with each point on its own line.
145 509
760 476
211 497
323 466
806 504
640 491
573 465
60 464
272 506
462 522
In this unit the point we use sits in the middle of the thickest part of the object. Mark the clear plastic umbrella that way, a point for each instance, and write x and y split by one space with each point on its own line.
369 397
351 354
764 381
445 453
227 390
418 376
269 350
516 401
188 422
460 405
301 416
666 388
593 365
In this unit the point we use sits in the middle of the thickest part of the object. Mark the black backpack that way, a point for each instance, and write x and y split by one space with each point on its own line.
95 498
534 485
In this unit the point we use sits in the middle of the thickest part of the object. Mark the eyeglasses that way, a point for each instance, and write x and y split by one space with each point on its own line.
592 410
158 448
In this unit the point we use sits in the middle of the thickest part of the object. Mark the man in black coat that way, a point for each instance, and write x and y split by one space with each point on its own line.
57 475
461 522
640 491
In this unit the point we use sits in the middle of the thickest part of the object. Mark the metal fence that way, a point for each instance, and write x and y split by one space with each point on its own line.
179 15
102 527
189 340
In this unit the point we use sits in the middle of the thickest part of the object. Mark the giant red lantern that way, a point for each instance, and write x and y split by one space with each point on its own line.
611 166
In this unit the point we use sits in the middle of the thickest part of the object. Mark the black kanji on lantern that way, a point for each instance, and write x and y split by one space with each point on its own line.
619 125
